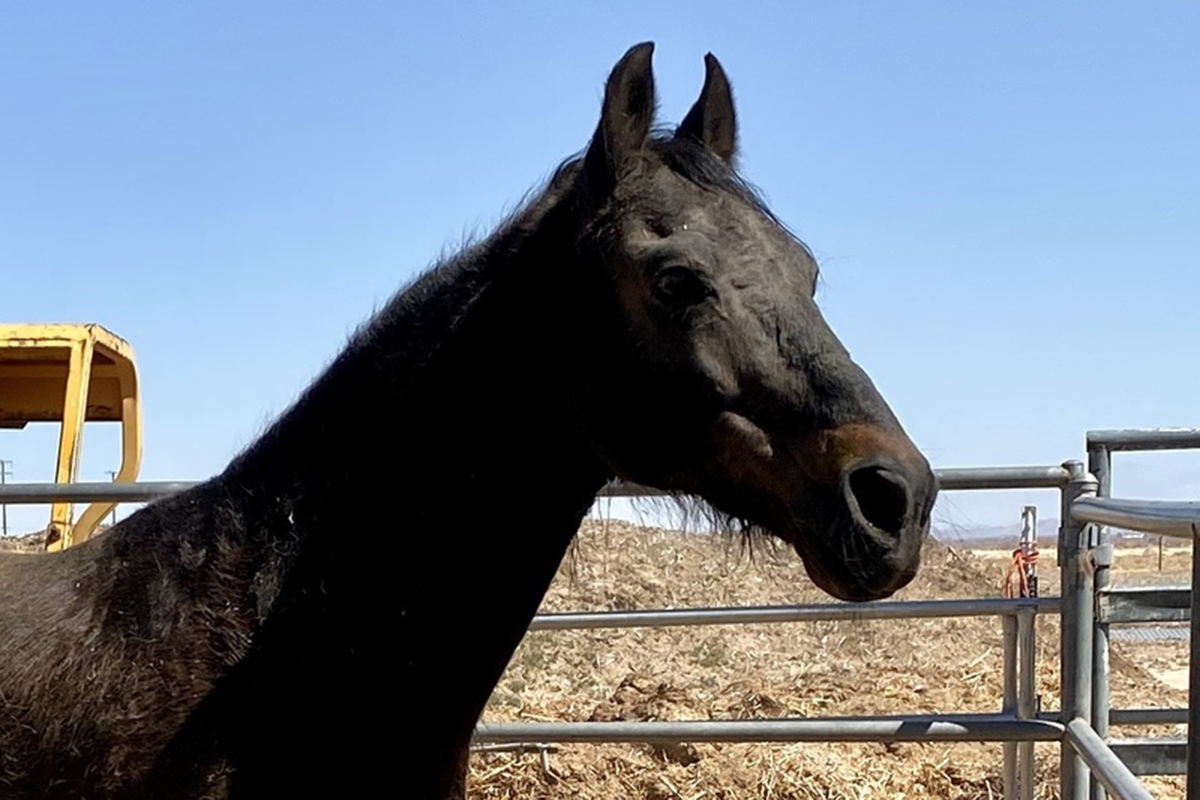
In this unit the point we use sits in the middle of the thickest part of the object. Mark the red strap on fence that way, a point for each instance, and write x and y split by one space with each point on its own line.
1016 580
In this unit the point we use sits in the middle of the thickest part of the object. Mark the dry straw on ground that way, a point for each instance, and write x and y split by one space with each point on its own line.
29 543
763 671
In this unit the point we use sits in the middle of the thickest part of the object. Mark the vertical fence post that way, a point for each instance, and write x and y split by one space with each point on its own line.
1026 696
1193 740
1027 651
1029 547
1075 569
1100 465
1026 674
1010 703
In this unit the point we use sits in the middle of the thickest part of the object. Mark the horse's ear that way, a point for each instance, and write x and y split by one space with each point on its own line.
625 119
712 121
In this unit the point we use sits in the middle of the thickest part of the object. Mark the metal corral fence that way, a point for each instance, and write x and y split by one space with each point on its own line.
1087 605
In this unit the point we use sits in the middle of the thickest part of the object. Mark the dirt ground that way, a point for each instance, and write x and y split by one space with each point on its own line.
798 670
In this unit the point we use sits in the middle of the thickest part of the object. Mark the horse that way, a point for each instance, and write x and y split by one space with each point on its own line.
329 614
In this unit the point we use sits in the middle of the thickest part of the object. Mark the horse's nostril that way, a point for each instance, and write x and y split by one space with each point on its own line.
882 497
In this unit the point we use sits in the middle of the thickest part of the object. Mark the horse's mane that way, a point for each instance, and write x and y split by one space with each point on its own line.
403 338
452 284
438 300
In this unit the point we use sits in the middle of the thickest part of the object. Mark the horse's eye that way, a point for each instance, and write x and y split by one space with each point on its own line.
680 286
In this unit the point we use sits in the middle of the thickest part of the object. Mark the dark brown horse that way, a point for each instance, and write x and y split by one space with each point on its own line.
644 317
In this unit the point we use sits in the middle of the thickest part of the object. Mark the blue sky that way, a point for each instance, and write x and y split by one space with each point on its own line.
1005 198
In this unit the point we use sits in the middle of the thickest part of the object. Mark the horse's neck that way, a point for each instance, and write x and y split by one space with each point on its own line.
428 485
448 407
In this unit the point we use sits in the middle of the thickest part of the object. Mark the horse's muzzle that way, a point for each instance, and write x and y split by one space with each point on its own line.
868 532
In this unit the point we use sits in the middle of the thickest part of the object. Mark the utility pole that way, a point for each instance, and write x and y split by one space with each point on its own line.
5 465
112 475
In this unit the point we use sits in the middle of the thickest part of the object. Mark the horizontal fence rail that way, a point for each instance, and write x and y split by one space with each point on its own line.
1144 604
949 479
966 478
914 728
1145 439
816 612
1177 518
954 478
1154 756
30 493
1148 716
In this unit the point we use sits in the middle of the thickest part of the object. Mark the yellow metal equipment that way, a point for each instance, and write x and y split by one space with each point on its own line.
71 374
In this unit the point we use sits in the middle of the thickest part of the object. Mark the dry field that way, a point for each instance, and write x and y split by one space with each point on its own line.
801 670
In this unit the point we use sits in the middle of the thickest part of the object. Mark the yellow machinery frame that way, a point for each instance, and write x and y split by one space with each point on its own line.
71 374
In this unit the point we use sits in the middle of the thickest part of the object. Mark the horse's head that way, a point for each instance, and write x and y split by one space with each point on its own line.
708 368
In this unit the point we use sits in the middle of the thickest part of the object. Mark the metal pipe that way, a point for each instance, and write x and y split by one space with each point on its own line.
1105 765
1148 716
1193 739
914 728
1100 670
1009 702
514 747
1074 546
29 493
1028 545
1145 439
908 609
1026 697
1027 653
1100 465
950 479
1178 518
961 478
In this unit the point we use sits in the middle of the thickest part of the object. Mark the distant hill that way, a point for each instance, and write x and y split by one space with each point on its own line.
980 536
993 537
